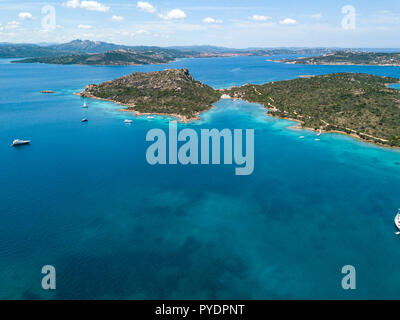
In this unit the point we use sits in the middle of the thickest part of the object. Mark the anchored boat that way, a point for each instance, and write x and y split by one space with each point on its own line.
397 222
18 142
128 121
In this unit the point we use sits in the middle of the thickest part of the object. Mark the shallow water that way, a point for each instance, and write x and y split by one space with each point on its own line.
83 198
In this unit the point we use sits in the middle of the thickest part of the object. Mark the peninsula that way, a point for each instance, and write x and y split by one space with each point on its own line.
112 58
357 104
169 92
86 52
349 58
360 105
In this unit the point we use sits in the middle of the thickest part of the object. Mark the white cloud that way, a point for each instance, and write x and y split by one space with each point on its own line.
12 25
25 16
84 26
256 17
86 4
317 16
117 18
72 4
288 21
146 6
139 32
211 20
174 14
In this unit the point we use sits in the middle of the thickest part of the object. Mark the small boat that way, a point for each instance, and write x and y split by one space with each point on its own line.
18 142
128 121
317 140
397 222
319 133
84 120
84 105
302 137
150 117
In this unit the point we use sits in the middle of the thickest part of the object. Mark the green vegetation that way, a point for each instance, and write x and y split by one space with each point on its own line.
358 104
118 57
86 52
172 92
350 58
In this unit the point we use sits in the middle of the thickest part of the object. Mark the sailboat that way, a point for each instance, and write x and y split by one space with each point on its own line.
397 222
18 142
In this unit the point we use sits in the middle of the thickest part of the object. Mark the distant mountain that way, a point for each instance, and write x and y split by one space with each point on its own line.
45 50
104 53
262 51
86 46
350 58
115 57
204 48
8 50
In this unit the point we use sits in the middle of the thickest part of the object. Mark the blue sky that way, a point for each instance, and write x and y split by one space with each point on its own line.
233 23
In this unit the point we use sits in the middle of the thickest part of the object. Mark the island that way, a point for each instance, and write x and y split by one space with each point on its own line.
112 58
357 104
86 52
168 92
360 105
349 58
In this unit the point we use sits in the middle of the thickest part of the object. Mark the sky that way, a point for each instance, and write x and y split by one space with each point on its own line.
229 23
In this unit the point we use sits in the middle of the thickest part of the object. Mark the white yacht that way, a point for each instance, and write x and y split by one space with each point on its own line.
84 104
128 121
397 222
18 142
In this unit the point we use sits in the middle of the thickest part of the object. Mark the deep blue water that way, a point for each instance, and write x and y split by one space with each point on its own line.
83 198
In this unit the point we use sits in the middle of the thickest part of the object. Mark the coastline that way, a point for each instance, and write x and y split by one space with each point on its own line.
180 118
339 64
183 119
299 126
364 137
96 65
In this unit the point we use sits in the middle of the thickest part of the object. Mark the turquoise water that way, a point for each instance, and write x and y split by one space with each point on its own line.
83 198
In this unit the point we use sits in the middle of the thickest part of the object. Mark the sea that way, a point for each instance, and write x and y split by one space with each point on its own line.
83 198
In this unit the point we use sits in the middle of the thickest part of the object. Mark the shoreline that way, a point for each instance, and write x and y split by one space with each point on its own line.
183 119
180 118
339 64
300 127
300 124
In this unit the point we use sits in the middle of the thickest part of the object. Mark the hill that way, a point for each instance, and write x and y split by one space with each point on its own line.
8 50
350 58
168 92
357 104
117 57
